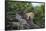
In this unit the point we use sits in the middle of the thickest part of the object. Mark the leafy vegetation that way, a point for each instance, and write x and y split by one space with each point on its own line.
39 11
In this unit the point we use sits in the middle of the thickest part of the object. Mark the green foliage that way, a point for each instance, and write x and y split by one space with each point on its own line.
14 7
40 17
19 6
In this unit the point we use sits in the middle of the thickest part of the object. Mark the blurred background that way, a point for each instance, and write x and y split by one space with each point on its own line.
12 7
